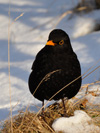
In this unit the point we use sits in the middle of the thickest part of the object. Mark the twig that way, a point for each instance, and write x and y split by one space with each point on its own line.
9 27
17 18
66 13
45 78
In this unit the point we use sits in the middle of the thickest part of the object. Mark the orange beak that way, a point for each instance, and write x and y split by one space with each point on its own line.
51 43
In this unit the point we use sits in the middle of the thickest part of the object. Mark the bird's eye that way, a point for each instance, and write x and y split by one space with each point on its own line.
61 42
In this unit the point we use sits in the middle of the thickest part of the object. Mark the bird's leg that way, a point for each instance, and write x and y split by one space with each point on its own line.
65 113
42 111
43 116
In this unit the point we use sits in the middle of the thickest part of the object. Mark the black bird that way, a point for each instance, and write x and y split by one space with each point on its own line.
55 66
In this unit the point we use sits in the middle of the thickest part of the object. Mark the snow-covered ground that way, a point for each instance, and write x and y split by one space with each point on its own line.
79 123
29 34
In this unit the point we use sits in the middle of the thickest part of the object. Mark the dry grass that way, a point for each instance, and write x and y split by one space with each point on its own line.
30 122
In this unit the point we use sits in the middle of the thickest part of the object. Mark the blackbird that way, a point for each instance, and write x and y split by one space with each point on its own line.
55 66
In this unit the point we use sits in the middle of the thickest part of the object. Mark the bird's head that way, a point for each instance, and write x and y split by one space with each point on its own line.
59 38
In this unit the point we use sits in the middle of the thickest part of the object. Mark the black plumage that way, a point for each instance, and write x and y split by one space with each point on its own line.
59 60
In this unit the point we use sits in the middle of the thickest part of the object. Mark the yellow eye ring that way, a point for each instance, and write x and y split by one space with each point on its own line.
61 42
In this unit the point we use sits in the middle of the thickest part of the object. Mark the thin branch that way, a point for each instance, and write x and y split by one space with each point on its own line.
45 78
17 18
9 28
66 13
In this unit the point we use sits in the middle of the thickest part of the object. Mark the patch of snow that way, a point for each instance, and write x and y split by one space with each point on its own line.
93 100
83 26
79 123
